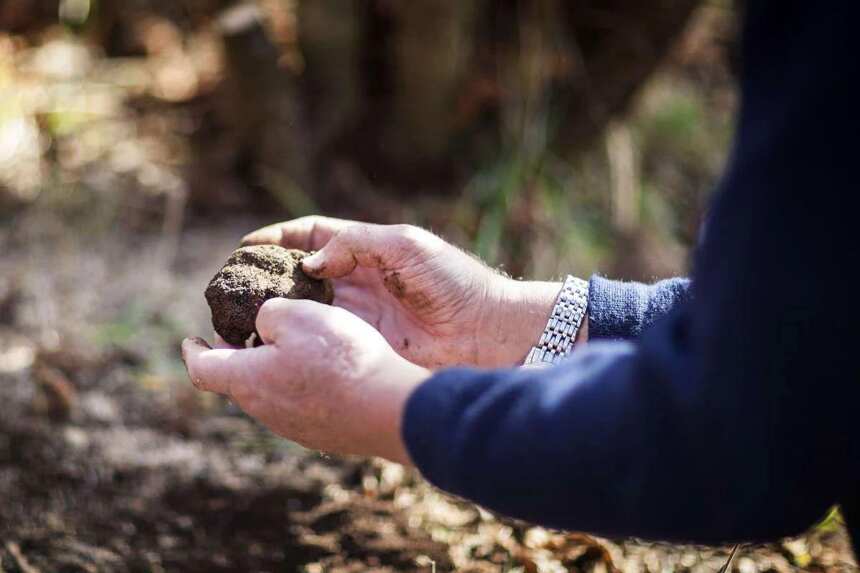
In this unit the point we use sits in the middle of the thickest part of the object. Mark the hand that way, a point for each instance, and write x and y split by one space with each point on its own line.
433 303
324 378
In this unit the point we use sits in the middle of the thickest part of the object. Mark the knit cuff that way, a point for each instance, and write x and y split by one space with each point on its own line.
622 310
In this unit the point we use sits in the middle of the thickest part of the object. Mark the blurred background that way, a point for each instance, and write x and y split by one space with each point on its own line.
140 139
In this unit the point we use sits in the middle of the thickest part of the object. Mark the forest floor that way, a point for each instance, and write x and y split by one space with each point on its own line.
109 461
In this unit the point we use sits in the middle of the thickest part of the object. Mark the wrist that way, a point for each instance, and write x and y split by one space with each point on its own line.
402 379
516 319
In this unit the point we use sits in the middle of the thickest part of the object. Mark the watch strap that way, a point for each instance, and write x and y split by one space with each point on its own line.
557 339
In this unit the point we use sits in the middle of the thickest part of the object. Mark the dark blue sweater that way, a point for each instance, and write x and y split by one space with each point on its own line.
725 412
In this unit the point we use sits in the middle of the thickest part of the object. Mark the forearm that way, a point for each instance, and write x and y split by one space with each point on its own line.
733 417
393 388
519 310
514 321
622 436
643 440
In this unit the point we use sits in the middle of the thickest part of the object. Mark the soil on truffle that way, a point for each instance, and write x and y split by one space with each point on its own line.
250 277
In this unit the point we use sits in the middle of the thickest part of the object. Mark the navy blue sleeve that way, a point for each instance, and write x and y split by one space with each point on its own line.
622 310
732 416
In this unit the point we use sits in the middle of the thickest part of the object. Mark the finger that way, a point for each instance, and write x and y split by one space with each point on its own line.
364 244
311 233
308 233
219 370
278 316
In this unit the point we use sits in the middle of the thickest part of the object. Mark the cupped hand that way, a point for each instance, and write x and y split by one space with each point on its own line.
324 378
434 304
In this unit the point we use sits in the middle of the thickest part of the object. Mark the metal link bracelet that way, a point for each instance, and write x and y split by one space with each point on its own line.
558 337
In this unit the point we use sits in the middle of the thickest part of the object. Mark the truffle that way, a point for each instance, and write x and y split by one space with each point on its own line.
251 276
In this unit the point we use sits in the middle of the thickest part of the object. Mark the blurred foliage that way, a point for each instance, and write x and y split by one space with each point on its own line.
145 116
138 141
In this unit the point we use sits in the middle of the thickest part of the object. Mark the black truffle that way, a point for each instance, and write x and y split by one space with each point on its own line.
251 276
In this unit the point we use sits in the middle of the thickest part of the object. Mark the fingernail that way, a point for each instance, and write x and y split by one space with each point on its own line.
193 344
250 239
190 342
200 342
262 236
314 262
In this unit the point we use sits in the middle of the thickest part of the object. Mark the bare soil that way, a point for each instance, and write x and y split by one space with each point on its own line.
123 485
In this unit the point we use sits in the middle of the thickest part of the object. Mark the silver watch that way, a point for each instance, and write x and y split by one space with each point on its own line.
557 339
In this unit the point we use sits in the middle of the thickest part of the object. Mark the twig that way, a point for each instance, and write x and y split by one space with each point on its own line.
624 177
728 563
174 217
425 560
15 551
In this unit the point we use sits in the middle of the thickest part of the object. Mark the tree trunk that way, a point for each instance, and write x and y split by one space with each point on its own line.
431 53
330 36
262 101
617 44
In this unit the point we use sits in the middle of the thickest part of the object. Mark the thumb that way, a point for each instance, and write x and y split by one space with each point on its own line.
316 265
360 244
213 370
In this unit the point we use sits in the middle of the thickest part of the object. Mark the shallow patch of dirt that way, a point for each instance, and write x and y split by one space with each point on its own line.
84 496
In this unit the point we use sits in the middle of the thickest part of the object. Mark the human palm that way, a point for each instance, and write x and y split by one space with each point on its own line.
427 298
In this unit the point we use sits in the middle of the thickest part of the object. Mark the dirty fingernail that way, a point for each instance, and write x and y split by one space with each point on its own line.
192 341
266 235
313 262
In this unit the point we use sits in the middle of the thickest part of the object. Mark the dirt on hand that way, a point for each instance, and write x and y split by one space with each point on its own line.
250 277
